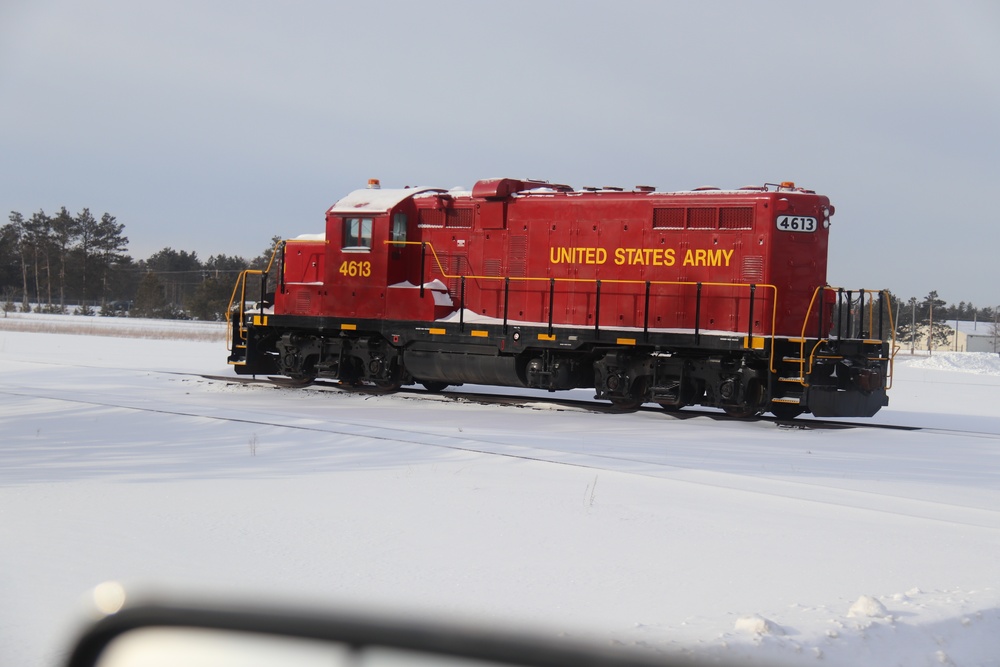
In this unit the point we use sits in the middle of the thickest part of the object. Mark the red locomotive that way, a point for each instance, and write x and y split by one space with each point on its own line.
706 297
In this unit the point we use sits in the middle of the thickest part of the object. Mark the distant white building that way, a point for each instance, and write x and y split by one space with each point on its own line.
966 337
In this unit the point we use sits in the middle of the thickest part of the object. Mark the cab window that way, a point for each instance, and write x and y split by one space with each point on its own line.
399 227
357 233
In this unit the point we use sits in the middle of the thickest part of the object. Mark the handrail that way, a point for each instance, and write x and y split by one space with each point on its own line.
241 287
803 372
601 281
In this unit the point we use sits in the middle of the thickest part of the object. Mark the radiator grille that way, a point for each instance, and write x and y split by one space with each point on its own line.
430 217
736 217
702 218
668 218
461 217
451 217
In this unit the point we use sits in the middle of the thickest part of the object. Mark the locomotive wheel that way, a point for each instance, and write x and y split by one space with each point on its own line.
434 386
392 379
752 405
389 386
634 400
630 404
739 411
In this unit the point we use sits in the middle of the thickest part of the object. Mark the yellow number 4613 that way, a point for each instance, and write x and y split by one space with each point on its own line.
356 269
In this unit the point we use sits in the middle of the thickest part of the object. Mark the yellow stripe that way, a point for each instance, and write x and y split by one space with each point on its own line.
260 320
349 327
437 331
546 336
626 341
758 342
796 340
481 334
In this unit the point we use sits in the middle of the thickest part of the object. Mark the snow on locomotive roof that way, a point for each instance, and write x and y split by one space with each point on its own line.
702 191
372 200
375 200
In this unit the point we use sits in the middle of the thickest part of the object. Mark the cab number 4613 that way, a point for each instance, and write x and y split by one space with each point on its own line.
796 223
356 269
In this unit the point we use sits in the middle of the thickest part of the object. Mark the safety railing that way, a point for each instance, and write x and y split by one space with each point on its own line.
699 287
847 325
240 288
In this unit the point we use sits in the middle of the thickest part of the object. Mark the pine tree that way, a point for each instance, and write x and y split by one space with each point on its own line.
86 228
63 235
179 271
14 239
110 246
932 306
149 298
210 300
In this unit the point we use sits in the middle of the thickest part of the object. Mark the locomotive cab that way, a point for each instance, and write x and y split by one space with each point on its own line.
374 259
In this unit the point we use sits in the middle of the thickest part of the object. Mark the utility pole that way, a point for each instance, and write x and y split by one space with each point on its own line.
930 326
913 323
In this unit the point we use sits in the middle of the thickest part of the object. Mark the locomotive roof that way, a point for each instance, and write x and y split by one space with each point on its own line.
374 200
371 200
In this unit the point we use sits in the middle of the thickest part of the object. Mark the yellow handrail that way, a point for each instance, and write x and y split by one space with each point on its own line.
773 288
871 314
241 287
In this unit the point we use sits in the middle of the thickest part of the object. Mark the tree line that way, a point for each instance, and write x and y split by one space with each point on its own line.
78 263
918 320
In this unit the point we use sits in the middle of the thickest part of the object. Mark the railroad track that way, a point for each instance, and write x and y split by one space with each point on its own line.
555 402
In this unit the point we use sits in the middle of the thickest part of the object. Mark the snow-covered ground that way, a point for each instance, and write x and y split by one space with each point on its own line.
731 540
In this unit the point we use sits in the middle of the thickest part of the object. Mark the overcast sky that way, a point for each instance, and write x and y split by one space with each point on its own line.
212 126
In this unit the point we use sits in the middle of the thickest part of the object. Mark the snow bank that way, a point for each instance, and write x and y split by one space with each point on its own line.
119 327
981 363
